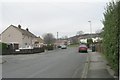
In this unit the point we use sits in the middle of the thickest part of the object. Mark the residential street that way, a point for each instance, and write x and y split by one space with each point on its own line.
66 63
47 38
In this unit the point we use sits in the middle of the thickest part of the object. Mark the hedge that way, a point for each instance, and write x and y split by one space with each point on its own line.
111 33
3 48
3 45
49 47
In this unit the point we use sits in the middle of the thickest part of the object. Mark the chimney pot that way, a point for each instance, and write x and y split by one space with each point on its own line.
19 26
27 29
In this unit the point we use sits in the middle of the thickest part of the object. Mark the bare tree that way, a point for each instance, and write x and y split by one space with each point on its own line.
99 31
80 33
48 38
65 37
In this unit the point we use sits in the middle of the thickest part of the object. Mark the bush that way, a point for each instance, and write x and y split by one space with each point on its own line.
89 41
50 47
38 50
111 33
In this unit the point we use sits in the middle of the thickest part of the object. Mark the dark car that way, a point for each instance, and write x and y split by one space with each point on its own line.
82 48
59 46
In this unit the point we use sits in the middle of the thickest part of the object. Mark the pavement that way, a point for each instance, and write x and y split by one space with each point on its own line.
98 67
2 60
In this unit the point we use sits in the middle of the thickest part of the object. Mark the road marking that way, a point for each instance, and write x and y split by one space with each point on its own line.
27 57
85 70
76 71
38 72
2 60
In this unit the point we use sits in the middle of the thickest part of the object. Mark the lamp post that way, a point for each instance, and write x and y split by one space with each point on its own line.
91 34
90 29
57 35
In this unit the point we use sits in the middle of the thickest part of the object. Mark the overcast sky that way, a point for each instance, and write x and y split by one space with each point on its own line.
63 16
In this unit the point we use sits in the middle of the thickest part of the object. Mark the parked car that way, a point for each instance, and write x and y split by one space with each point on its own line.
59 46
63 46
82 48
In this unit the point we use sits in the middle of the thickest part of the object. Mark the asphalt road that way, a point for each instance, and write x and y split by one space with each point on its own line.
67 63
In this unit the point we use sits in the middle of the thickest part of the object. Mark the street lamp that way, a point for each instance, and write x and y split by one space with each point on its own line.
91 33
90 29
57 35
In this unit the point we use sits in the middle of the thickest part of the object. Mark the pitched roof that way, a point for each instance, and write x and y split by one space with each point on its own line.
60 41
86 36
24 32
40 39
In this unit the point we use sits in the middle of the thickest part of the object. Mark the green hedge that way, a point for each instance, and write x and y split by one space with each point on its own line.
49 47
3 46
111 33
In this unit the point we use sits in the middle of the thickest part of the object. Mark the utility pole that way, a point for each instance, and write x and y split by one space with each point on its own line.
57 35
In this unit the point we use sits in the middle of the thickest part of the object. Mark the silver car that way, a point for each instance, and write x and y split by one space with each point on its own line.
63 46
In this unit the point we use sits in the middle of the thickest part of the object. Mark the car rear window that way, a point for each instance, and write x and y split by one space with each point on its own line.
83 46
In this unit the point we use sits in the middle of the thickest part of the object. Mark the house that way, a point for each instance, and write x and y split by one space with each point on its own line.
19 37
83 38
61 42
95 37
73 40
39 42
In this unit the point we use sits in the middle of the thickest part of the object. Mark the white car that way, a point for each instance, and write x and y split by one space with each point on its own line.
63 46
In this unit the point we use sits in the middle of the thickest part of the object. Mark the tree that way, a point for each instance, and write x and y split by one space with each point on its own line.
48 38
80 33
74 40
65 37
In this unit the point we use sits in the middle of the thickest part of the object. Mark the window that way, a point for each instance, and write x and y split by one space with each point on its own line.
23 36
25 43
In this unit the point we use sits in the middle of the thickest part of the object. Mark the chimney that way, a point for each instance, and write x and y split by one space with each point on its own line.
27 29
19 26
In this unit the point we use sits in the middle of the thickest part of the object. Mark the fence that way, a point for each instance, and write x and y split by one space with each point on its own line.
99 47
